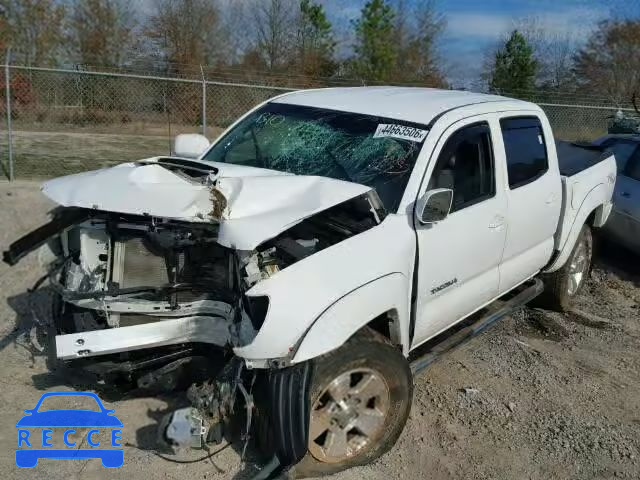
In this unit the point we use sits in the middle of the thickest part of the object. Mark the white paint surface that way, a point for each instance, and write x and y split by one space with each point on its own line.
260 203
316 304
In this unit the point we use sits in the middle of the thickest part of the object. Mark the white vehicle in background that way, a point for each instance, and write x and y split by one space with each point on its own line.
310 251
624 224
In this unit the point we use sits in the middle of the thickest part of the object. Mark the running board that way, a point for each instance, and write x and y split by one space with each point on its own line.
533 289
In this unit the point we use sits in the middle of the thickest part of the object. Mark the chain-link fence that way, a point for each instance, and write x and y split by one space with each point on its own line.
56 122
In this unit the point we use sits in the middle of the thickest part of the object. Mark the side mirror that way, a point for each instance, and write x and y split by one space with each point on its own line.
190 145
434 206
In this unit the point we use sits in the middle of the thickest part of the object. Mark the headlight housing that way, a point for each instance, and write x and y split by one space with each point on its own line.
257 308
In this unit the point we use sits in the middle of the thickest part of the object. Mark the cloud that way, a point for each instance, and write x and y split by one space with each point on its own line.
471 35
476 25
576 21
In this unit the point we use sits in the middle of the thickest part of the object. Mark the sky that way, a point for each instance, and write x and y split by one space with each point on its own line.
475 27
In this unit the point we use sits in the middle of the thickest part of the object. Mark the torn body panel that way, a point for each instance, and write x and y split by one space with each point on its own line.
249 208
138 271
61 220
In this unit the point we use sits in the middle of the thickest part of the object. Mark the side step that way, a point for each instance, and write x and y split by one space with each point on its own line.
531 290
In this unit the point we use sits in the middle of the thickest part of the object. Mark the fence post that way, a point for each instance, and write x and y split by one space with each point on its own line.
204 103
7 81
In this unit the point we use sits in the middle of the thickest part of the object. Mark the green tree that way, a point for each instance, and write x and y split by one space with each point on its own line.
375 51
316 42
514 70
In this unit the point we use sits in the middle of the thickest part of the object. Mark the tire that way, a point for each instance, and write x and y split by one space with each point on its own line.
561 286
367 359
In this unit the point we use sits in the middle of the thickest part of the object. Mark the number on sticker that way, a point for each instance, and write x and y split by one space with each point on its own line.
400 131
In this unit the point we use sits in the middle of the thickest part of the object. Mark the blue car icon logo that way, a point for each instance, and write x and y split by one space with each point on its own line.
32 447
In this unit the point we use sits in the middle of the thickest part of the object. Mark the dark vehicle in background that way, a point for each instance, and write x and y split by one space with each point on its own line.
623 225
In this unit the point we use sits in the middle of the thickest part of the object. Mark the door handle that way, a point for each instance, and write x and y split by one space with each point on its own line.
497 222
550 199
625 194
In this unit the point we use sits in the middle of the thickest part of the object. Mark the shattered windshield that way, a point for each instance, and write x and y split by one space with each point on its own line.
373 151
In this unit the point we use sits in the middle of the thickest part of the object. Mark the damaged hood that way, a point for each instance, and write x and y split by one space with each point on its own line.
251 205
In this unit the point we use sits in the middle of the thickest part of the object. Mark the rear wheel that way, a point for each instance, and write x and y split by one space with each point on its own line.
563 285
360 399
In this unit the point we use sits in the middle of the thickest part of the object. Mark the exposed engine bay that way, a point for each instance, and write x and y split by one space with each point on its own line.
159 303
132 287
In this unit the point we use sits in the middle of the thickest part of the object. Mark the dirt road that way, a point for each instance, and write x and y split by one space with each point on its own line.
539 396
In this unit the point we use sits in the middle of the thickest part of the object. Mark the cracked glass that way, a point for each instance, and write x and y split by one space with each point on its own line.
314 141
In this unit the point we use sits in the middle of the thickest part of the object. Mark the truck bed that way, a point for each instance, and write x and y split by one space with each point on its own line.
588 177
573 157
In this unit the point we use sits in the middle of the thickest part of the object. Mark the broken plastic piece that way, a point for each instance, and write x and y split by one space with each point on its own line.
185 429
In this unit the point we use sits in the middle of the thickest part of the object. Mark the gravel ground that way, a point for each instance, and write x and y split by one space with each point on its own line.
538 396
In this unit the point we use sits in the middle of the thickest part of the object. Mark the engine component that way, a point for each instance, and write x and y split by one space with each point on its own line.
184 428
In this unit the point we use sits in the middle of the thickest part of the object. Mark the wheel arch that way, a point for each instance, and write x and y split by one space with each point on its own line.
382 305
592 212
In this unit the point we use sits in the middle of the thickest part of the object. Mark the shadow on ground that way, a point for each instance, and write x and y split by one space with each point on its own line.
617 259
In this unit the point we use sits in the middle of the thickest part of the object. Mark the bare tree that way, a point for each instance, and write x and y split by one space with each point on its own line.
418 26
609 63
232 27
35 29
554 52
274 24
4 29
403 30
186 32
101 32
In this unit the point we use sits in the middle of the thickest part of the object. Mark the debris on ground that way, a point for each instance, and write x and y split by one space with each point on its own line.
540 395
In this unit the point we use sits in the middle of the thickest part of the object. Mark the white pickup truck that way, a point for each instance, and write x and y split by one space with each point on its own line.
311 249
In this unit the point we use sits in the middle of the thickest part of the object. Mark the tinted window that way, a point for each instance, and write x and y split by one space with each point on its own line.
525 149
622 151
465 165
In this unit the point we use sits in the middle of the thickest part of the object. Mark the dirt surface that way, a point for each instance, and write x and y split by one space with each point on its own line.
538 396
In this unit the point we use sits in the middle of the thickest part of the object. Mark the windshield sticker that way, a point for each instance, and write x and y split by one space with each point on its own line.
400 131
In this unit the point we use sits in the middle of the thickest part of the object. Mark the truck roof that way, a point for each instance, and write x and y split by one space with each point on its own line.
411 104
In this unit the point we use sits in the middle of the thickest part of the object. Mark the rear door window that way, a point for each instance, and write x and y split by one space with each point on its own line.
525 150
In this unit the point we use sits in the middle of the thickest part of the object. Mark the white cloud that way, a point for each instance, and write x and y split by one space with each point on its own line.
470 35
474 25
492 26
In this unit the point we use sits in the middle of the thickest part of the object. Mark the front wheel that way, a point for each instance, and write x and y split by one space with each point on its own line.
360 399
563 285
